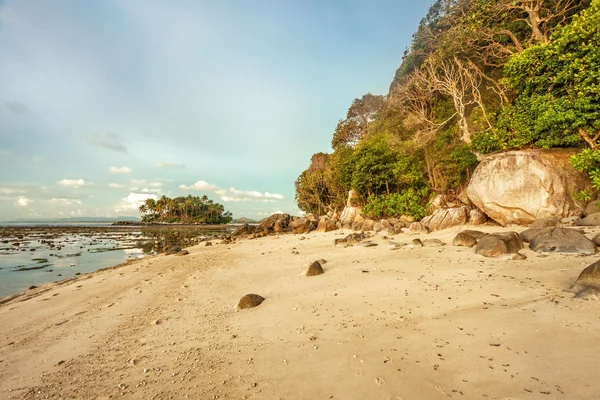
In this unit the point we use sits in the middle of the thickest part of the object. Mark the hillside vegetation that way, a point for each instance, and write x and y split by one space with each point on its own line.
480 76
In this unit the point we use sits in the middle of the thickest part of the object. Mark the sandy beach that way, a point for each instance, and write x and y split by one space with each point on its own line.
410 323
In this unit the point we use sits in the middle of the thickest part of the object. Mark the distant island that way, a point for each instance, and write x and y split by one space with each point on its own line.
243 220
188 209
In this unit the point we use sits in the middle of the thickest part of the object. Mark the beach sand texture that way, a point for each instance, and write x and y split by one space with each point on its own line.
410 323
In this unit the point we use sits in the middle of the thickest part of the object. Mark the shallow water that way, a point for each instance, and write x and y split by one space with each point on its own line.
34 255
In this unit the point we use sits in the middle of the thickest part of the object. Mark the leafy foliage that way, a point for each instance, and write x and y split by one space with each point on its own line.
190 209
480 76
409 202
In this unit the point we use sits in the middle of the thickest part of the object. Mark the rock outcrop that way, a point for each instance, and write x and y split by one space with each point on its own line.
443 218
518 187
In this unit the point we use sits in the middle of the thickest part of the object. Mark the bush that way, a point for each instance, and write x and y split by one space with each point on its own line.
408 202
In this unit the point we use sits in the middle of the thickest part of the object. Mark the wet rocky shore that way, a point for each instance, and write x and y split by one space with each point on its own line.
34 255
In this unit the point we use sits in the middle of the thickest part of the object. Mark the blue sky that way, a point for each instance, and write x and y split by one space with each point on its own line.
104 103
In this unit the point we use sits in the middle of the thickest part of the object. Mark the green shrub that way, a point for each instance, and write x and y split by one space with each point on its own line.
408 202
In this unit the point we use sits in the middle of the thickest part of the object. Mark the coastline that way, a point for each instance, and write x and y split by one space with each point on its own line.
431 322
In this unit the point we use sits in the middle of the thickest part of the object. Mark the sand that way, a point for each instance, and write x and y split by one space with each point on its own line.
411 323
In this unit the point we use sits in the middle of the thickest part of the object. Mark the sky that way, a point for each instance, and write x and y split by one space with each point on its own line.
106 103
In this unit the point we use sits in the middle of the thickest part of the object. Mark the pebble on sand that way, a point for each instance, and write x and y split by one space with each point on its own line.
314 268
249 301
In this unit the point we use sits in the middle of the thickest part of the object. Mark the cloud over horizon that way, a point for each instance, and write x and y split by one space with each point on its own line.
64 201
119 170
232 194
22 201
72 183
133 201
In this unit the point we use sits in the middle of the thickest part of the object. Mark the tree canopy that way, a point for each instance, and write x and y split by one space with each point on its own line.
189 209
480 76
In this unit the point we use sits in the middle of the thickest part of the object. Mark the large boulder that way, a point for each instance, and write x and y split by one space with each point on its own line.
528 235
518 187
351 210
368 225
302 225
562 240
243 230
499 244
446 218
268 224
326 224
464 239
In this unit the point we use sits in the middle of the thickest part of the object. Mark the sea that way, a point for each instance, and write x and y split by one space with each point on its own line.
35 253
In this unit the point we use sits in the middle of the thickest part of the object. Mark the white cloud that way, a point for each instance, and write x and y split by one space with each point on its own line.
37 159
137 184
233 194
168 164
133 201
10 191
115 186
22 201
119 170
73 183
4 152
64 201
201 185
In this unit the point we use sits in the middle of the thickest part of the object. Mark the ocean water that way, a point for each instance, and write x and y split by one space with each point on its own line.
31 255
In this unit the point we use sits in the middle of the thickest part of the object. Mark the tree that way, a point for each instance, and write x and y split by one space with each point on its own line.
361 113
558 89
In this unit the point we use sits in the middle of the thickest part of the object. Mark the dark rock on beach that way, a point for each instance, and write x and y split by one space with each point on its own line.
249 301
588 282
562 240
590 220
173 250
314 269
499 244
464 239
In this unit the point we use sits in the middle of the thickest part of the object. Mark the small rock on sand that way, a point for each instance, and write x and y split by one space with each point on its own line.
249 301
314 268
588 282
